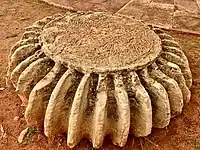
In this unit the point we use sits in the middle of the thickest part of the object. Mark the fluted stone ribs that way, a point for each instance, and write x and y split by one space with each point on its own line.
58 97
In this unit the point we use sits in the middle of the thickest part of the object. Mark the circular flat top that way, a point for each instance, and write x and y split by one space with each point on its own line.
100 42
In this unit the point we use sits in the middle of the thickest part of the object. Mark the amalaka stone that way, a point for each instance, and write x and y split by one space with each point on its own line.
94 74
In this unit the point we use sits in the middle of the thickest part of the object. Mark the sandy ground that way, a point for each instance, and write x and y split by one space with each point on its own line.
183 133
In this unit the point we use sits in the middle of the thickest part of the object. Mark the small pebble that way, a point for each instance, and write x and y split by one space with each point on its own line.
1 89
24 18
2 129
22 135
16 118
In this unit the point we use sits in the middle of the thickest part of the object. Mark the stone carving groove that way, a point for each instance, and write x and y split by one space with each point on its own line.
63 95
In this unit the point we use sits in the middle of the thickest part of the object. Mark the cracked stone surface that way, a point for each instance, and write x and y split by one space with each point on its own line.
158 14
188 5
186 21
161 13
65 92
164 1
164 13
90 5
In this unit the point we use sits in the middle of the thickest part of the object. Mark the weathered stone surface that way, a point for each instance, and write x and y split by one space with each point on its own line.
100 112
21 54
138 9
171 57
187 5
23 65
30 34
173 71
105 48
186 21
159 100
121 128
173 53
159 14
90 5
78 108
22 43
134 8
32 75
39 97
152 13
58 111
115 100
164 1
141 109
165 36
174 92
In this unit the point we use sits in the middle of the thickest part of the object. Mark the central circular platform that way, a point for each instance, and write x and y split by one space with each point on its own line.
100 42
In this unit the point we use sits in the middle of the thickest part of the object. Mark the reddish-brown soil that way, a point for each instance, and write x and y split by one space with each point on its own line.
183 132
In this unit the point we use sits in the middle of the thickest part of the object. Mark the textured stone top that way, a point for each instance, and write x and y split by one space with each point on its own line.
100 42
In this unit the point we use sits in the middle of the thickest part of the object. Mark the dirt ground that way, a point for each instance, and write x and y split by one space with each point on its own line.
183 133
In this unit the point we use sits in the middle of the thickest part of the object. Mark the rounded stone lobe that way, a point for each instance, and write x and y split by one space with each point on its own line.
100 42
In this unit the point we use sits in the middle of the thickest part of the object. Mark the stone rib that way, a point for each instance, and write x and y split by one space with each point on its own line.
46 20
31 41
53 21
141 110
173 52
173 71
171 57
39 97
172 46
172 43
23 65
123 110
172 88
176 51
35 28
19 44
30 34
158 30
100 113
31 75
165 36
182 64
38 25
21 54
29 37
57 110
77 112
159 100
